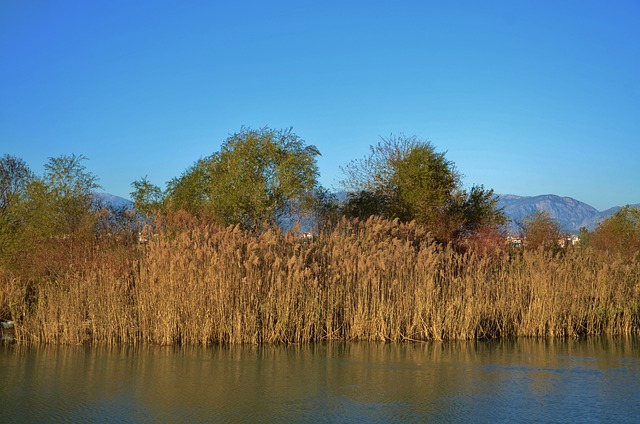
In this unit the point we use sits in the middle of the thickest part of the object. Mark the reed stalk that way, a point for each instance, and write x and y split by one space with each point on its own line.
371 280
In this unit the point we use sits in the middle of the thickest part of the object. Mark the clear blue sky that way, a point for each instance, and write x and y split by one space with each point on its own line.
527 98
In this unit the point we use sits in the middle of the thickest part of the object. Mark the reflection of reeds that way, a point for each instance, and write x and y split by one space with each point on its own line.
373 280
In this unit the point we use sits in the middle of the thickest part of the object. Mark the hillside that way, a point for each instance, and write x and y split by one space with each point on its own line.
570 213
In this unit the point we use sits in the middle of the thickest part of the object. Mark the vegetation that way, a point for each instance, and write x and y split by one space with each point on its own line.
147 197
15 177
374 280
411 256
620 233
46 220
259 176
405 178
540 231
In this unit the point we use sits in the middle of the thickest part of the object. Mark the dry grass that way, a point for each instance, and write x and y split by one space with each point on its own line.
374 280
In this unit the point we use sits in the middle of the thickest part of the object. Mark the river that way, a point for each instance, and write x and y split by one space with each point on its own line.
525 380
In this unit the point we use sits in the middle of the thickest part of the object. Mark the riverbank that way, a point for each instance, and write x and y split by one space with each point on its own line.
372 281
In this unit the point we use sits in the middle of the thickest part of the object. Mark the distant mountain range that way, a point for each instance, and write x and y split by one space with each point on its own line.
113 201
570 213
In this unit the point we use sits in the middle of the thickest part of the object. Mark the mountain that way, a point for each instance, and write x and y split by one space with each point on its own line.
606 214
570 213
112 201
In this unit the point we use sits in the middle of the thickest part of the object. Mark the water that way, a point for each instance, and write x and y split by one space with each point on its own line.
591 380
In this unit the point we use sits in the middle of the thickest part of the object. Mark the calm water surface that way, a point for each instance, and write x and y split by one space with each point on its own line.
591 380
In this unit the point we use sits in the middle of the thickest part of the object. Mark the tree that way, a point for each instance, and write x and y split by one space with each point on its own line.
56 214
15 176
585 237
540 231
69 191
258 176
405 178
620 232
364 203
147 197
426 187
480 210
325 210
190 191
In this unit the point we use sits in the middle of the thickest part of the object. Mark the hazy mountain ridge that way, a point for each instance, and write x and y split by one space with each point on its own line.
570 213
113 201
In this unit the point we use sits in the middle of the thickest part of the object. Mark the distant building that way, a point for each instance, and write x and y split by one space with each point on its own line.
514 241
570 240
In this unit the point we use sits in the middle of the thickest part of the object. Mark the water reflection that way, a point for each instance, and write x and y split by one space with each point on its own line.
596 379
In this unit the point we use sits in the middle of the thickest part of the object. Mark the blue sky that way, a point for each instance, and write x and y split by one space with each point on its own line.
525 97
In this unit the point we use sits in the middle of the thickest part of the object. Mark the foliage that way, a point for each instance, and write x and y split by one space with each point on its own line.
324 211
147 197
364 203
405 178
258 176
59 206
190 191
15 177
68 192
375 172
620 232
540 231
425 187
585 238
480 211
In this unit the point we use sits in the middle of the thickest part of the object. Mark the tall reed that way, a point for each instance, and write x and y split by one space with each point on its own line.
364 280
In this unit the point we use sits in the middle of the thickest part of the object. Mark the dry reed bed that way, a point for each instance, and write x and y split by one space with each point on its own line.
374 280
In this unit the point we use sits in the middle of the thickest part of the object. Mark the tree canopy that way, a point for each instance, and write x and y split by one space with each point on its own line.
147 197
406 178
15 179
258 176
15 176
68 190
36 211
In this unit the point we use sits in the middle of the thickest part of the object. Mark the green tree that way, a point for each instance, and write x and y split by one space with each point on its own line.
191 191
57 212
364 203
585 237
480 210
147 197
15 178
70 191
405 178
539 230
258 176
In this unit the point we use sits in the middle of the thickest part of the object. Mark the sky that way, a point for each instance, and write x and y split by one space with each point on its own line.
525 97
